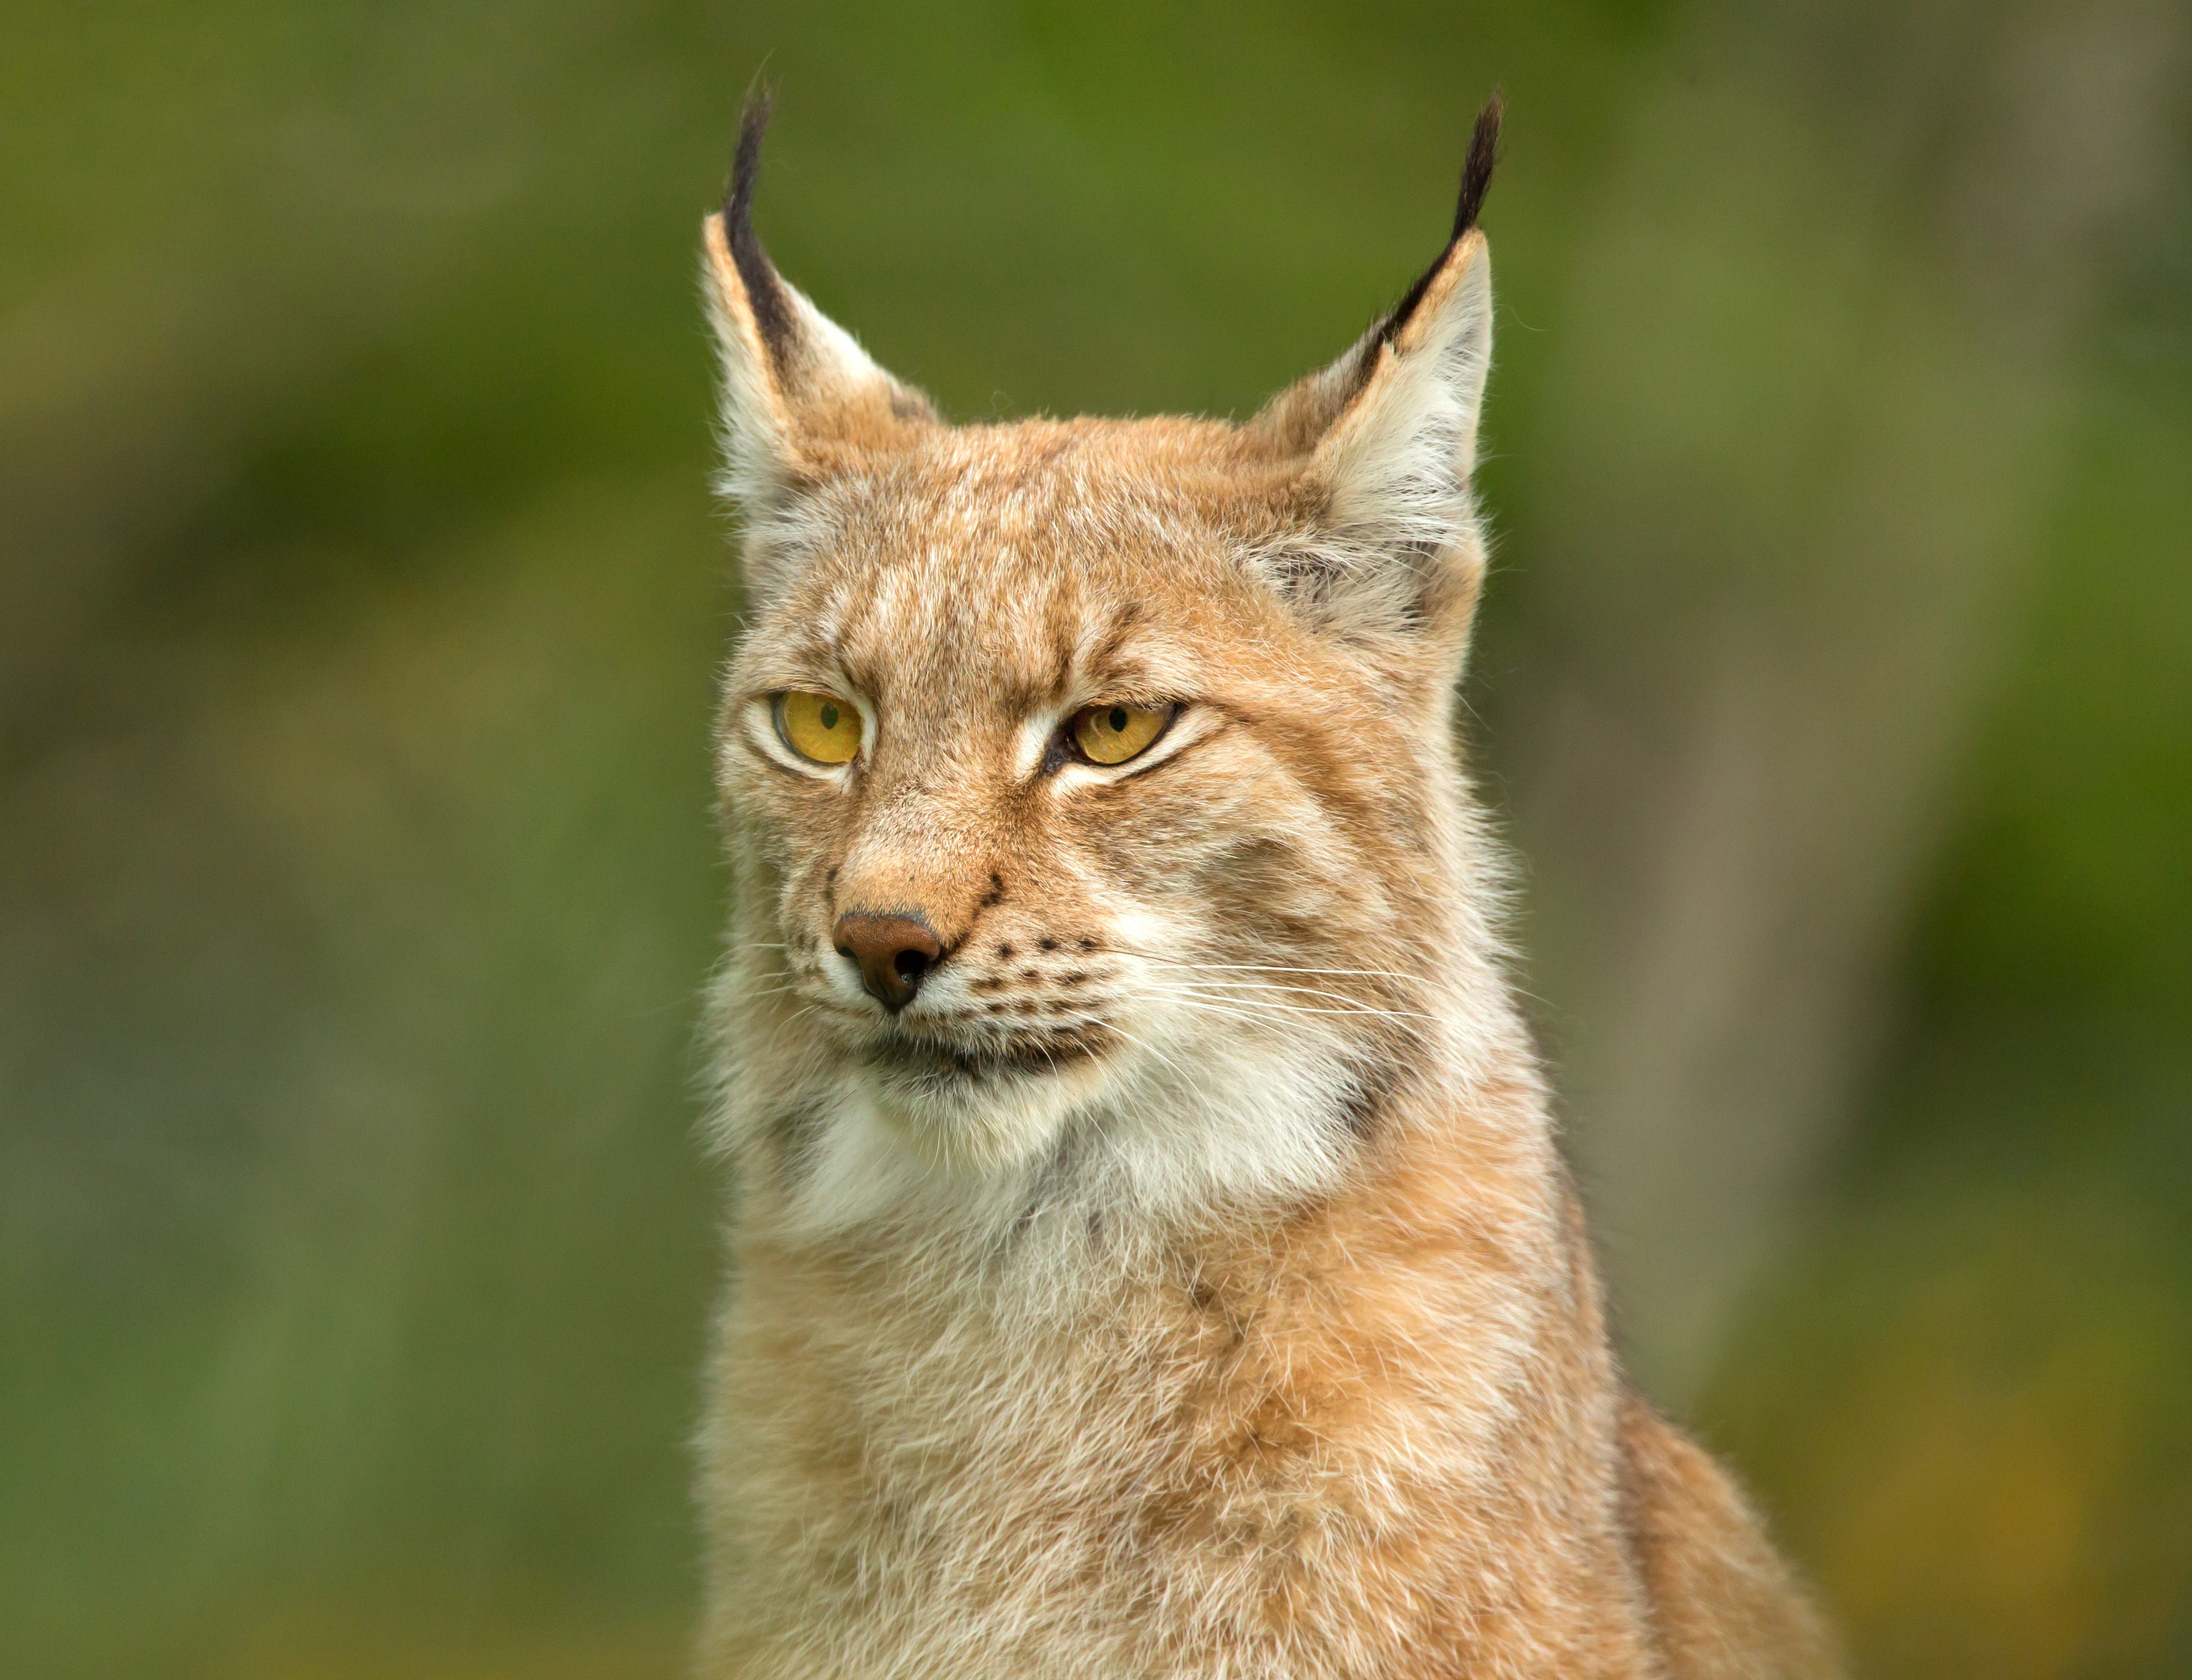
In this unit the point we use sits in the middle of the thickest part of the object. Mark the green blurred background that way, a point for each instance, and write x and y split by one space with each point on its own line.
360 601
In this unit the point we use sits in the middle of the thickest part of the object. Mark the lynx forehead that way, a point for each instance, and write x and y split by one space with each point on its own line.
1152 1257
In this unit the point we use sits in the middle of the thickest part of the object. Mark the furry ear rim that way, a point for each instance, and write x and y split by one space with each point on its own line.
759 435
1385 439
800 396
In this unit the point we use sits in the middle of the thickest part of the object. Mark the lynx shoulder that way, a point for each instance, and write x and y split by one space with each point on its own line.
1150 1255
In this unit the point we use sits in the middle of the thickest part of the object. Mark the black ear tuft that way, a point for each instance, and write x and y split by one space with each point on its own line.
1475 182
1477 170
772 309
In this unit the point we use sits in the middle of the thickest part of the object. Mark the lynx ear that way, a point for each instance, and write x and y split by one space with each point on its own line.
1386 437
800 398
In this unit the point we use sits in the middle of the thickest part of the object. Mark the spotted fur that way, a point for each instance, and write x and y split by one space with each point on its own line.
1185 1284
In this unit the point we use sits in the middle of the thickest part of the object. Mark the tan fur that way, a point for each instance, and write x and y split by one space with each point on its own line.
1187 1284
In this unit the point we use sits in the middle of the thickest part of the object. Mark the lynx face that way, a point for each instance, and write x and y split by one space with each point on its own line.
1091 784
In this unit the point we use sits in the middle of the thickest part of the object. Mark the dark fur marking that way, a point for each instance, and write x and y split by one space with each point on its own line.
1378 1083
765 292
1475 181
1360 1113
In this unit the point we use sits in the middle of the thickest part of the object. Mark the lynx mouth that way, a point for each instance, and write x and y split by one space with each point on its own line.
935 1061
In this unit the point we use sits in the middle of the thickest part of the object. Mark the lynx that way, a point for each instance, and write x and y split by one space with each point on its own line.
1150 1255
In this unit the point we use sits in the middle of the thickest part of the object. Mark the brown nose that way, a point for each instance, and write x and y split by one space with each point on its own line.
893 952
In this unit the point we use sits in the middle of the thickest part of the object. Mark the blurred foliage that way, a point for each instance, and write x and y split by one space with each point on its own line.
360 601
1967 1390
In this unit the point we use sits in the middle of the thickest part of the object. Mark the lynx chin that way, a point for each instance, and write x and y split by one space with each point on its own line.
1152 1256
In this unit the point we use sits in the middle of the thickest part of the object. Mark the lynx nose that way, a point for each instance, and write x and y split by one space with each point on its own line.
893 952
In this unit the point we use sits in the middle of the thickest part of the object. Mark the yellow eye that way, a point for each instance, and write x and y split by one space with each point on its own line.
1111 734
819 727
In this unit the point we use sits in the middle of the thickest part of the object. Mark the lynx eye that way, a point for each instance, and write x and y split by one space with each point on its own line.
1113 733
821 729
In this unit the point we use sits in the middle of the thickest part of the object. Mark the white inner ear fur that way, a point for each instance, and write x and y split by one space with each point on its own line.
834 364
1398 462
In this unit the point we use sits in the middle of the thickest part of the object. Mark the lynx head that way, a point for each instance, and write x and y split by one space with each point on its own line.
1093 799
